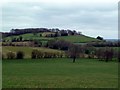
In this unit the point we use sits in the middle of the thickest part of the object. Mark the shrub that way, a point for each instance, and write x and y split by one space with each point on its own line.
46 55
61 55
49 55
58 44
37 43
10 55
35 54
75 51
54 55
105 54
39 54
100 38
20 55
3 56
119 55
109 54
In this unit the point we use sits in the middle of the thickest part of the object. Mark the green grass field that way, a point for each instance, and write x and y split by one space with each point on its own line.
78 39
29 36
59 73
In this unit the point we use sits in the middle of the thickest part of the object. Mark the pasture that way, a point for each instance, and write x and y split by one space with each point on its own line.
29 36
27 50
59 73
78 39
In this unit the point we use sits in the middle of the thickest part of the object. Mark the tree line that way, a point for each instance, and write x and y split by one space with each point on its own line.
105 44
57 31
74 51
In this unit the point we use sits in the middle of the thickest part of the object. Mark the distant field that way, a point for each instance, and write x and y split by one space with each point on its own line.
59 73
29 36
114 48
26 50
78 39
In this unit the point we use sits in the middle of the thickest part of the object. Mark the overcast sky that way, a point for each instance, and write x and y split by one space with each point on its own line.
91 17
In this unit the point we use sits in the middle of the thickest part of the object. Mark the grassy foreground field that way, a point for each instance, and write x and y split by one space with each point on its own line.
59 73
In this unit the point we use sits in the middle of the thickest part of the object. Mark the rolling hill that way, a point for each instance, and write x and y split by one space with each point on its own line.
78 39
42 38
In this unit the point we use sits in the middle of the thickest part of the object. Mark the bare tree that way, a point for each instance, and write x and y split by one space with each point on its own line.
74 52
108 54
100 53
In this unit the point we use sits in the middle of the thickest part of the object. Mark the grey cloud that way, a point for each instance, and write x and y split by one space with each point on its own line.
79 16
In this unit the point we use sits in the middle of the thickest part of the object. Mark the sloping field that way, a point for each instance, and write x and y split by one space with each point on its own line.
29 36
26 50
78 39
